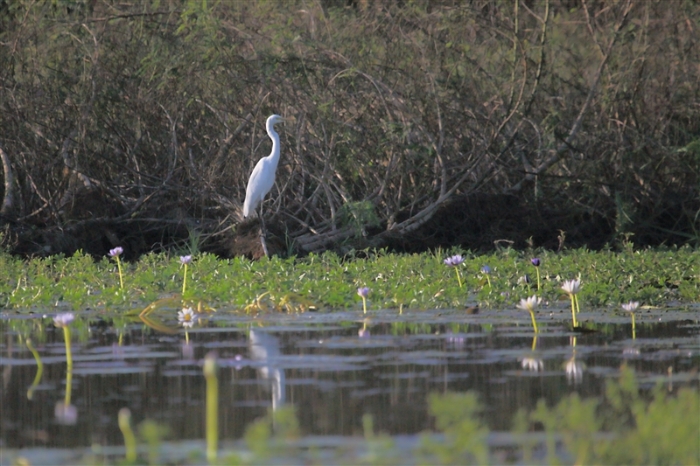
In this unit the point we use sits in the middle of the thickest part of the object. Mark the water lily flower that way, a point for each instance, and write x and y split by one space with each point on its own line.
524 280
536 262
631 307
455 261
486 270
363 292
572 287
115 253
184 260
529 305
63 319
186 317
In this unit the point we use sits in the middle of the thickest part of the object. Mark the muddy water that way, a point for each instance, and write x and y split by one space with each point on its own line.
333 367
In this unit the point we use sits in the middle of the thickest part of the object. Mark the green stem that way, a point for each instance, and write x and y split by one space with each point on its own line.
129 438
184 282
488 279
69 365
534 322
634 332
573 309
459 278
212 408
538 278
119 267
364 304
69 353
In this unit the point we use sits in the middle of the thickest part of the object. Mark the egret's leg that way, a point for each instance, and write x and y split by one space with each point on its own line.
263 232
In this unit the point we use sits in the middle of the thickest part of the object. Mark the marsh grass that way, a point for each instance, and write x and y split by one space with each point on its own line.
330 282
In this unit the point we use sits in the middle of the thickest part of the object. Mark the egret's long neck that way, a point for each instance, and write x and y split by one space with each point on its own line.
275 154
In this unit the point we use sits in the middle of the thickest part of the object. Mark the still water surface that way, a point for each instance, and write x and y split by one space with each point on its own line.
333 367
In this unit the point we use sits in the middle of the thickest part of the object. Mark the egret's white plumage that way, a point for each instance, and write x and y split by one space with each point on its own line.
263 177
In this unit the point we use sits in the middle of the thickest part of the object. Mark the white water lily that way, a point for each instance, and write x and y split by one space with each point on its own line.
529 305
572 287
186 317
631 306
63 319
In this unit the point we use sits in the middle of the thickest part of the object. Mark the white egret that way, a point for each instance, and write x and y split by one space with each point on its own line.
263 177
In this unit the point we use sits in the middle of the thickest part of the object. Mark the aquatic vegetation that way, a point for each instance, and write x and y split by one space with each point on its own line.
212 410
363 292
529 305
186 317
455 261
486 272
632 307
185 260
646 430
536 262
572 287
456 416
115 253
124 421
329 282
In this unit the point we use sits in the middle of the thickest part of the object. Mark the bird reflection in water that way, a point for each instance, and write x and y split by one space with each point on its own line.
265 348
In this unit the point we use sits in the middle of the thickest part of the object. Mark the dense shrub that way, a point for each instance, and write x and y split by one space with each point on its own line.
139 122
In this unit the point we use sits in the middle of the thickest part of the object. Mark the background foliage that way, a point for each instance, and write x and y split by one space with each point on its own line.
419 122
